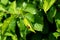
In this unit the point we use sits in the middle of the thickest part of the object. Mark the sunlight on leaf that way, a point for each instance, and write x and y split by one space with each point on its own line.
30 8
4 2
47 5
12 8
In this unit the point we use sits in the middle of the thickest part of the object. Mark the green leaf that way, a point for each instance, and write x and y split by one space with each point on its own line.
47 4
30 8
21 25
8 34
14 37
38 27
12 8
30 17
1 8
1 27
6 24
12 25
58 25
4 38
4 2
0 37
1 15
28 25
24 33
57 19
56 34
51 14
24 5
23 29
41 4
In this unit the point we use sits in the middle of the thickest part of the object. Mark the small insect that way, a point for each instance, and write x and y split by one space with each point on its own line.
28 26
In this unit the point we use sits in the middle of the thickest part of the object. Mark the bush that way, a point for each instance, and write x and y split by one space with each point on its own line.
29 20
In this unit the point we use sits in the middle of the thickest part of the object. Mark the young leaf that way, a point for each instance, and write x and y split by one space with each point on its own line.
56 34
12 8
47 4
1 8
4 2
28 25
30 17
30 8
38 27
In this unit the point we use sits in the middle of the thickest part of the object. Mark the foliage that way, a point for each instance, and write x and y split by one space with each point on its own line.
29 19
